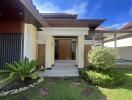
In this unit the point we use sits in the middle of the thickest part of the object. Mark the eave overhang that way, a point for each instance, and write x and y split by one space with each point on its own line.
86 23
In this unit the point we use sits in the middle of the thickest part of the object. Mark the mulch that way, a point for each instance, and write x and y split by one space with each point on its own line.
87 91
75 84
43 92
22 97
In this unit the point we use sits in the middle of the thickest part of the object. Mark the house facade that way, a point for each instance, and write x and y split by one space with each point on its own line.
48 37
64 39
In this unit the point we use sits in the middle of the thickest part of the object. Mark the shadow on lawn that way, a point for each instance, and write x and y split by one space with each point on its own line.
61 89
127 83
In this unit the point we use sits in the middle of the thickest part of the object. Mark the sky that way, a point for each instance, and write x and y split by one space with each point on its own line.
116 12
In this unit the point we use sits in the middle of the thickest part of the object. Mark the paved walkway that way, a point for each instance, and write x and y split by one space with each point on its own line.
62 68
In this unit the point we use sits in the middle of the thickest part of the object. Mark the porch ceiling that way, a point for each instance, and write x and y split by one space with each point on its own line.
20 10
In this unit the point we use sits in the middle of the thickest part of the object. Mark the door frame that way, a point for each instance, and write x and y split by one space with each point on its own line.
72 39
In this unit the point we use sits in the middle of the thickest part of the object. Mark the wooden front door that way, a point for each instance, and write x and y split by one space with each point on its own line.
41 54
65 49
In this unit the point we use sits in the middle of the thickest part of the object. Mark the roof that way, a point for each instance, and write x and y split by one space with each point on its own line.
102 28
58 16
112 31
20 10
89 23
34 12
127 26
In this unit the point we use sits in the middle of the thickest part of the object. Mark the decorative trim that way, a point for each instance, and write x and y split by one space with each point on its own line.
21 89
67 28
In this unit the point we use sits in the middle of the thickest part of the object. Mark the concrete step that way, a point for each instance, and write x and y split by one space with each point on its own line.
59 74
62 68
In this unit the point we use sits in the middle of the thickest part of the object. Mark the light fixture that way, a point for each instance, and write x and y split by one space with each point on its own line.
20 13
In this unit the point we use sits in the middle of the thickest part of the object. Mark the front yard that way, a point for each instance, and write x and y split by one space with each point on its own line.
71 89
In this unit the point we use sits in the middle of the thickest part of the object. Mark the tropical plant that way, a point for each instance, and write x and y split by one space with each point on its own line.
102 57
22 69
101 78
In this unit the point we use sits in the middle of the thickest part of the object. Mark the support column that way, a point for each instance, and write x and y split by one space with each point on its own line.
30 41
102 42
81 51
53 50
77 52
115 42
94 39
48 58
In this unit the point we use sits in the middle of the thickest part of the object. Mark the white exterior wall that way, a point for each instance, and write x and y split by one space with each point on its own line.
30 41
53 50
125 53
124 48
46 37
48 58
80 51
120 43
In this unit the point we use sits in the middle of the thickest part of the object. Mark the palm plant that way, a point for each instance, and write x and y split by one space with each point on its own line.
22 69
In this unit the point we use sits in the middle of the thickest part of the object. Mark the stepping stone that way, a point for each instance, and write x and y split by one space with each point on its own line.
87 91
75 84
43 92
22 97
104 98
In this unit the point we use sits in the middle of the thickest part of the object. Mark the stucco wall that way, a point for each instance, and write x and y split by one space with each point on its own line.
124 48
49 54
120 43
30 44
47 37
125 53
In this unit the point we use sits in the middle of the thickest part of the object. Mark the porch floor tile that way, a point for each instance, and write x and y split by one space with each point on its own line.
62 68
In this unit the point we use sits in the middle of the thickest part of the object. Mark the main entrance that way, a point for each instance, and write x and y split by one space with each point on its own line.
65 49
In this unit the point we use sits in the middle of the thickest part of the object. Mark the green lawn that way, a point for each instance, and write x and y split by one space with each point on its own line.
62 90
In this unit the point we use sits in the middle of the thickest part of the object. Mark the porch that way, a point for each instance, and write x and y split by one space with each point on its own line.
62 68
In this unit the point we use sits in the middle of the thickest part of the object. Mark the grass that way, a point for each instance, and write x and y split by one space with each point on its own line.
61 90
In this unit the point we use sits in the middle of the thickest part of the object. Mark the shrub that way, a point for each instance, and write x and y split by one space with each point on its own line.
23 69
100 78
102 57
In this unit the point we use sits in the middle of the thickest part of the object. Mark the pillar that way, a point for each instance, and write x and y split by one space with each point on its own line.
94 39
53 50
80 51
77 52
115 43
48 58
30 41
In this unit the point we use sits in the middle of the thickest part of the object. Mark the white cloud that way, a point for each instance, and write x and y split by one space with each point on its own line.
49 7
80 9
130 11
117 25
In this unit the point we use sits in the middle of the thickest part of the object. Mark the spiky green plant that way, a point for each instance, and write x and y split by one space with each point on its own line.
22 69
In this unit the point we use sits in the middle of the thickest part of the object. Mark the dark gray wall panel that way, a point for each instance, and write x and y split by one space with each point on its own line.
11 48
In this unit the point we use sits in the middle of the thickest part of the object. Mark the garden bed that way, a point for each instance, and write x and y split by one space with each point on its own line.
17 86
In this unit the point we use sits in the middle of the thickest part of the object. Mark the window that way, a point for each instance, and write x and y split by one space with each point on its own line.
88 37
